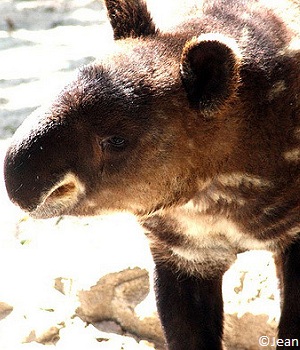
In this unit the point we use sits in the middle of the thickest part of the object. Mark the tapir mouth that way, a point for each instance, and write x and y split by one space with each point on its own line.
60 198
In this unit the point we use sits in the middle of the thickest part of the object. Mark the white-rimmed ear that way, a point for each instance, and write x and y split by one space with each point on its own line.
130 18
210 70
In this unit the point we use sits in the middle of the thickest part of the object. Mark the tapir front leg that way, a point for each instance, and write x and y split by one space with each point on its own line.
190 309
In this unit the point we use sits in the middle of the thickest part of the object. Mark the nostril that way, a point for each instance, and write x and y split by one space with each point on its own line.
58 199
62 191
63 195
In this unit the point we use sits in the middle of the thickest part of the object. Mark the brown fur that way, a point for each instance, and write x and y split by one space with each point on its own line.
197 132
130 19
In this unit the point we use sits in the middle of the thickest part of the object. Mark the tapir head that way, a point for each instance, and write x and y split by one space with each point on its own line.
133 131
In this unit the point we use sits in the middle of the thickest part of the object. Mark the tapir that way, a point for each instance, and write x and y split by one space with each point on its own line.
195 129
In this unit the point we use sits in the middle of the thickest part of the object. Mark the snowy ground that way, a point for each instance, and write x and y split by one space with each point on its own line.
41 44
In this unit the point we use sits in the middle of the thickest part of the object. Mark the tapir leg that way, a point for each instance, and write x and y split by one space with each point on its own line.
289 326
190 309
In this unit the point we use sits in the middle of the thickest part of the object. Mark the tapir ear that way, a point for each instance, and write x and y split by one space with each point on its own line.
130 18
210 71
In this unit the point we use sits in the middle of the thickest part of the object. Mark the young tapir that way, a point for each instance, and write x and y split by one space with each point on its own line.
197 132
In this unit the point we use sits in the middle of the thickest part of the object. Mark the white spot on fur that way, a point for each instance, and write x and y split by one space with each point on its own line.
297 133
292 155
207 255
245 36
208 231
276 90
224 197
213 243
294 231
217 230
236 179
212 239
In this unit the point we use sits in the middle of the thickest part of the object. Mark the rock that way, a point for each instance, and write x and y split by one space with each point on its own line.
242 333
115 297
78 335
63 285
5 310
49 336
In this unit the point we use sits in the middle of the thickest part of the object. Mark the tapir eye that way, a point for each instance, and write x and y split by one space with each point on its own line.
115 142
